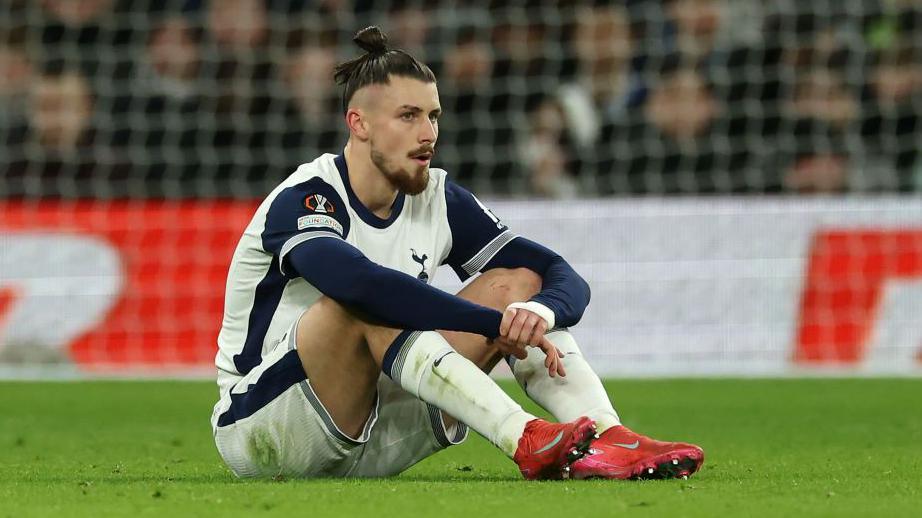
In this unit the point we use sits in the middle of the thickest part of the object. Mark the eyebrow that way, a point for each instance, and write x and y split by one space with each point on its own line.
417 109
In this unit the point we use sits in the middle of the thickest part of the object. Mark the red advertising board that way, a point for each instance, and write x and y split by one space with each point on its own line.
175 257
842 292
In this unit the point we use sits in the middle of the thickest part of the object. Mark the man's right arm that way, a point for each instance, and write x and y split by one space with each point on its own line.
306 228
341 272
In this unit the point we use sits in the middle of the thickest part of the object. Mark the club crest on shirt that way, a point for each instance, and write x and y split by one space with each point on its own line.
319 203
423 276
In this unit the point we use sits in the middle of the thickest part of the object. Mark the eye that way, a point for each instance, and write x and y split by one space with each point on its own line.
408 116
434 117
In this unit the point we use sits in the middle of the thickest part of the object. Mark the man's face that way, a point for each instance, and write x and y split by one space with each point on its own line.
699 19
61 108
681 106
238 24
306 74
76 12
402 124
173 50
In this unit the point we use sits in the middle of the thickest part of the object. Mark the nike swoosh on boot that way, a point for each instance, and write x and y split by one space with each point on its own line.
551 444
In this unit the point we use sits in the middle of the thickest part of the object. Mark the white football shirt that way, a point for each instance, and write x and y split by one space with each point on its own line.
444 224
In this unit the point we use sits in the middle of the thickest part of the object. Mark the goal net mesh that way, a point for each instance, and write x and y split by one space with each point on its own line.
137 136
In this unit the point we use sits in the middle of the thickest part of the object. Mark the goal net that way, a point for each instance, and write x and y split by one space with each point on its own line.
733 178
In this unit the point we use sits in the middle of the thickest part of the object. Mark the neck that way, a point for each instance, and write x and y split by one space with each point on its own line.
369 184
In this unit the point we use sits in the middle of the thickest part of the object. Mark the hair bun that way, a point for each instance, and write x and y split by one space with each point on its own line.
371 40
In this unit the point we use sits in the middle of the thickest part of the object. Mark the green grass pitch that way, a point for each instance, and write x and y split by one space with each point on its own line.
820 447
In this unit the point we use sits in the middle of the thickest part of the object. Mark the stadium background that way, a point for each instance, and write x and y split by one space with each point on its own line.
736 179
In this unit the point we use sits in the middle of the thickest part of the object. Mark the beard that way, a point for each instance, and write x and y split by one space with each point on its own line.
404 181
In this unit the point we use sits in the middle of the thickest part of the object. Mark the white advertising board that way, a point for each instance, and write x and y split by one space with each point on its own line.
716 286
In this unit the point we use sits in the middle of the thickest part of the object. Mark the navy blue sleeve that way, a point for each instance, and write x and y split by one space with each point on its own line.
303 212
341 272
476 233
562 289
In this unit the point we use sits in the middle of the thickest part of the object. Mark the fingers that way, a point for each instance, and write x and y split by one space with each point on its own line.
537 332
506 323
506 348
526 328
515 330
519 329
550 363
553 360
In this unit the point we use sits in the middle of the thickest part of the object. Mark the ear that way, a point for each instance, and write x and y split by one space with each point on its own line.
358 125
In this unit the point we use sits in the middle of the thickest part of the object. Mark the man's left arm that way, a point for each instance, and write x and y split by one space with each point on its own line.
563 291
480 241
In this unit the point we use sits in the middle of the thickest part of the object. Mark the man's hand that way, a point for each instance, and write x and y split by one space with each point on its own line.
521 328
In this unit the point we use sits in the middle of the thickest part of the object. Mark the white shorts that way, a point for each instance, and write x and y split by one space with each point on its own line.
272 424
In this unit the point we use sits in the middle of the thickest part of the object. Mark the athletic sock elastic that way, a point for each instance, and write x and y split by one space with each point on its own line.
577 394
425 365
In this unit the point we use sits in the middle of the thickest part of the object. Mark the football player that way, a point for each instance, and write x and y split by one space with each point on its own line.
337 358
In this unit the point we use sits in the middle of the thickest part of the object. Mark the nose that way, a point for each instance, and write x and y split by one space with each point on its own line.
429 132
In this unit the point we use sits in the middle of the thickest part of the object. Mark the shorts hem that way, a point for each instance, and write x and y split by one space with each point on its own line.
330 425
443 436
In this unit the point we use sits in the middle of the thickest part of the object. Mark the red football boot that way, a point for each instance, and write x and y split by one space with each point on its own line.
622 454
546 450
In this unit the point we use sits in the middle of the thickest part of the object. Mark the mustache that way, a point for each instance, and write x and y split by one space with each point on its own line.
420 151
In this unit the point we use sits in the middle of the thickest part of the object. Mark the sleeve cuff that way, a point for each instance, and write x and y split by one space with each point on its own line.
297 240
536 307
481 258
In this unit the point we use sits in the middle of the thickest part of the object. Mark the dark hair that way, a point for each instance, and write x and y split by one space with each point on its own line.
377 65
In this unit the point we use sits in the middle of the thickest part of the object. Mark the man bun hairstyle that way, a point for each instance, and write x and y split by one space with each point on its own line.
371 40
377 64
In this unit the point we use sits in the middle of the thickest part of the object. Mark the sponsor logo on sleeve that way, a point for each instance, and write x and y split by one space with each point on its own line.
319 204
320 221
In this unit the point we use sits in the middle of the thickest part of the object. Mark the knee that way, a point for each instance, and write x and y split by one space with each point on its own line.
329 313
329 308
513 285
343 322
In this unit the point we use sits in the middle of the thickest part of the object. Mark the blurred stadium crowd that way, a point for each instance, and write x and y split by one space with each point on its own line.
198 98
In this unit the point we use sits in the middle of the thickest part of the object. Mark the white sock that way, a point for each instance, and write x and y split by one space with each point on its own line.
579 393
425 365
